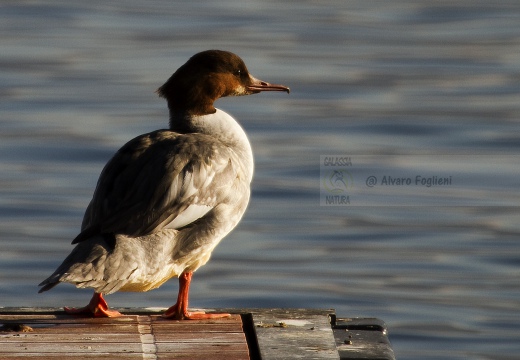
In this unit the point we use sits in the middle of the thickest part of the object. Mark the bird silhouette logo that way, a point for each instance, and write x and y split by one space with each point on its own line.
338 181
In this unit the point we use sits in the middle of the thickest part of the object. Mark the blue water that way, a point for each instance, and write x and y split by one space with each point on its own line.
376 78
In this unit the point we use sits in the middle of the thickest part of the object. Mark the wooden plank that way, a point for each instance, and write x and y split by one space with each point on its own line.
202 356
67 348
59 337
62 318
192 340
175 347
75 356
190 337
146 336
362 338
294 334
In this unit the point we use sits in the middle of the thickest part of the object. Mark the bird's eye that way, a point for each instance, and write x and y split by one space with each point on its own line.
238 73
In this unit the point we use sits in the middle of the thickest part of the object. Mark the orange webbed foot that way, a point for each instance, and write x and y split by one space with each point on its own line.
174 313
97 307
94 312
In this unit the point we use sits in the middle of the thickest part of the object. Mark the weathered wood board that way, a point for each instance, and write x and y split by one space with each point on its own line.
255 334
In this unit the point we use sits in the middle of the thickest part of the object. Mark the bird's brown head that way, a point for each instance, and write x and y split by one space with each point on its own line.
207 76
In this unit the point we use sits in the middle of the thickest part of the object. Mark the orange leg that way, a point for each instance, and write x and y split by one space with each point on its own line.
179 311
97 307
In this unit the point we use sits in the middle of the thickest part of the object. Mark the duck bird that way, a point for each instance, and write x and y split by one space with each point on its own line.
167 198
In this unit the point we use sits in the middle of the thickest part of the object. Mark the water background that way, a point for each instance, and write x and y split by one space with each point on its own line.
376 78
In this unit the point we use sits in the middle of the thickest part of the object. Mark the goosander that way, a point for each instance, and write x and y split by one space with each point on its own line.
167 198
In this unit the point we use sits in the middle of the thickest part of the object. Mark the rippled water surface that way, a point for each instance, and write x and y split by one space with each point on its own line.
375 78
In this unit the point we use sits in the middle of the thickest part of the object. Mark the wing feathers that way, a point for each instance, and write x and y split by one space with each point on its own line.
157 181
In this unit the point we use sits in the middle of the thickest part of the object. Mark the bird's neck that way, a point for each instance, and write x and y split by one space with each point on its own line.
219 125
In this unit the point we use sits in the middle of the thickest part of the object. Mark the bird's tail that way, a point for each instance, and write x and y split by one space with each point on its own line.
83 265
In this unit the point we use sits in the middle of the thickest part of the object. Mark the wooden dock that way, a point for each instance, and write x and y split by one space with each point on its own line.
47 333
